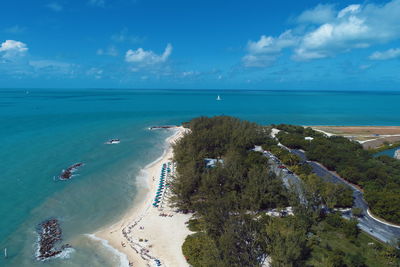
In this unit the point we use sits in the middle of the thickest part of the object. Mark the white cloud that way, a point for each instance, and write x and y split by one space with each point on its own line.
330 39
266 50
384 55
325 32
95 72
355 26
351 9
320 14
124 36
98 3
364 66
110 51
190 73
16 29
55 6
11 49
52 66
146 58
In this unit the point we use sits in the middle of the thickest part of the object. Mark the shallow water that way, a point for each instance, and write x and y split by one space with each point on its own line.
46 131
388 152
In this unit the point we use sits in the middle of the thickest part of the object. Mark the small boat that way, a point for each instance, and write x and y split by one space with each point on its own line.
113 141
219 98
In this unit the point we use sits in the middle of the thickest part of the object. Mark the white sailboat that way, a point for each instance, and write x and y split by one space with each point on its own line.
219 98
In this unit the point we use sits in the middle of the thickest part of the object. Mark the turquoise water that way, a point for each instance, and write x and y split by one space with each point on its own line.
45 131
388 152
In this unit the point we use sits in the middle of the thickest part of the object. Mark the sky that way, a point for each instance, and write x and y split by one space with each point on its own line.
176 44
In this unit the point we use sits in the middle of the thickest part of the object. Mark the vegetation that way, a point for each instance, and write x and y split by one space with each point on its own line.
337 242
384 147
227 198
331 195
379 177
229 202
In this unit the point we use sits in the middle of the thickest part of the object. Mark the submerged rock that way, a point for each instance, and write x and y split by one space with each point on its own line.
49 239
67 174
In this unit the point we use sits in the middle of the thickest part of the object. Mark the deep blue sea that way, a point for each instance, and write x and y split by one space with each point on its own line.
44 131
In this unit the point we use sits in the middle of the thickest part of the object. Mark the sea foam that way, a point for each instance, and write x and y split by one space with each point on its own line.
123 259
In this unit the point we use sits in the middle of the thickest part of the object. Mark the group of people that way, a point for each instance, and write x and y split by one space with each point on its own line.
166 171
165 215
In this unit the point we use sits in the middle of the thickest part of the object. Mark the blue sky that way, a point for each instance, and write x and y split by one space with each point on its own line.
254 44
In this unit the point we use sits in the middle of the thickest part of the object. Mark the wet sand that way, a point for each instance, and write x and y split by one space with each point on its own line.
142 234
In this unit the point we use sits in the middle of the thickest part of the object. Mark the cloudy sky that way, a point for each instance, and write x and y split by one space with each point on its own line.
254 44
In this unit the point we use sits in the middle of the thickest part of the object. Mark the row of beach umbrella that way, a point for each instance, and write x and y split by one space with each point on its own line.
161 185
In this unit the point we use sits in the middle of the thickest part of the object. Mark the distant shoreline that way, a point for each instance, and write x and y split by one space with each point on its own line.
370 137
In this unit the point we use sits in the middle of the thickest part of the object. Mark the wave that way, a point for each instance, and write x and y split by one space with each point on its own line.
123 259
65 253
142 176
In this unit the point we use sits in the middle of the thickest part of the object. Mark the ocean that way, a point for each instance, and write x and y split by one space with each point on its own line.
44 131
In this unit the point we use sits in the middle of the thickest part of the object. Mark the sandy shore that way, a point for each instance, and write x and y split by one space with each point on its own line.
142 234
368 136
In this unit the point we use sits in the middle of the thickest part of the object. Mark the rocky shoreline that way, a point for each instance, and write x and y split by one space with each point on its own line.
67 174
49 237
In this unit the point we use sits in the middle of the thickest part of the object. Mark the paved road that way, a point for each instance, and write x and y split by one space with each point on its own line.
289 180
383 232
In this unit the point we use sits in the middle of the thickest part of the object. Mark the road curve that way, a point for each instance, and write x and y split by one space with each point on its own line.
373 226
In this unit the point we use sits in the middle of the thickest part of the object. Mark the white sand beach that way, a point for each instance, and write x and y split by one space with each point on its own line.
142 234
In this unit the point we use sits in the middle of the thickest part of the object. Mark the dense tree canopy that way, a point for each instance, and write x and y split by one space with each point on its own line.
229 201
229 196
